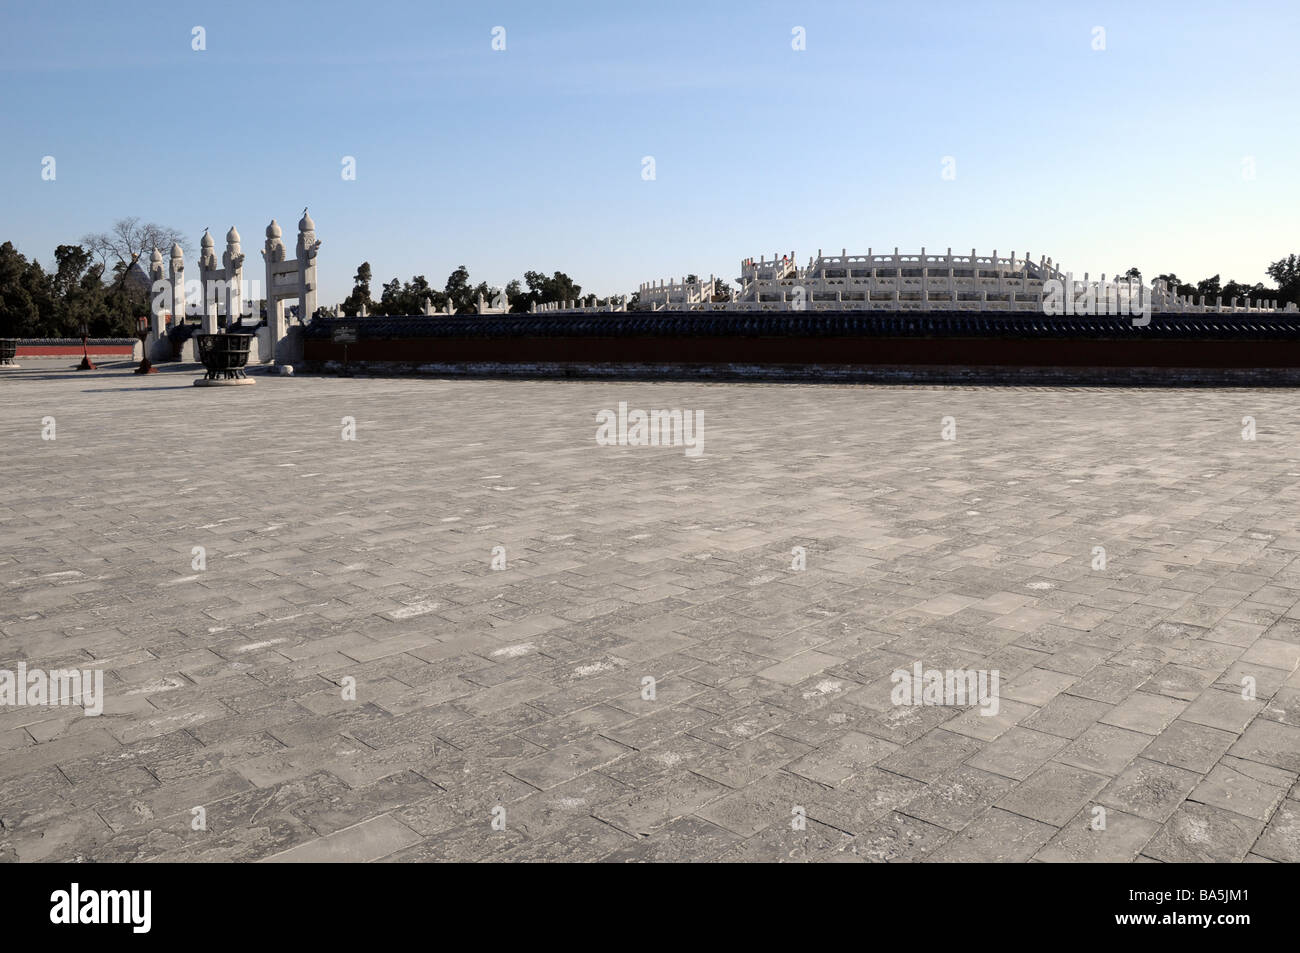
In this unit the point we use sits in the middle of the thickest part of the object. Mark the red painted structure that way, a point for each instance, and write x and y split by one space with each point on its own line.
777 351
1187 348
73 349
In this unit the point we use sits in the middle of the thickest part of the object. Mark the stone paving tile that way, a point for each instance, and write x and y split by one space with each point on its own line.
1273 653
1227 711
1144 712
1270 742
1038 686
1281 838
542 813
248 825
674 795
931 756
1018 753
773 800
897 838
1149 789
864 798
737 727
1104 749
845 756
367 841
586 839
639 768
799 667
1053 794
1119 841
687 838
782 844
1284 707
1179 681
345 808
1113 682
462 805
955 800
1254 790
983 727
1185 744
746 763
523 690
469 843
1202 833
996 836
1066 716
562 764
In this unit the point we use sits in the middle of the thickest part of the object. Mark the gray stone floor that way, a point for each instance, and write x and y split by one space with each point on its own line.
517 694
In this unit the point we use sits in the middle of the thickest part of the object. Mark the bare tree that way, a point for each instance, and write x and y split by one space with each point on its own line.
130 237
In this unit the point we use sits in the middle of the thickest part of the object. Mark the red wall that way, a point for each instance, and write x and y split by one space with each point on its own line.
74 350
860 351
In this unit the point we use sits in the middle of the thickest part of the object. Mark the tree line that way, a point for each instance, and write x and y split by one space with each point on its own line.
40 303
88 283
409 297
1285 272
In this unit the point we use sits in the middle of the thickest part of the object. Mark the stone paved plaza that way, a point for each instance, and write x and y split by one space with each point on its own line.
517 695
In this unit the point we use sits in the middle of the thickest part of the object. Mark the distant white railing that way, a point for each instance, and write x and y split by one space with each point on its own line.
925 281
676 293
590 303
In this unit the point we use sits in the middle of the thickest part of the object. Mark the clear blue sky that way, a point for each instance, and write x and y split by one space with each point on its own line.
531 158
